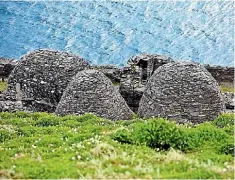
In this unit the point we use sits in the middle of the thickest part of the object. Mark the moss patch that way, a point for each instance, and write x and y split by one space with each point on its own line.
3 86
116 83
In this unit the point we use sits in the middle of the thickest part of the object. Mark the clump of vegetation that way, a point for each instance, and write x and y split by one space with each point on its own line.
3 85
42 145
162 134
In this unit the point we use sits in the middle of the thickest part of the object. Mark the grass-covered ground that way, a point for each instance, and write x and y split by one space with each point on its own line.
227 87
3 86
41 145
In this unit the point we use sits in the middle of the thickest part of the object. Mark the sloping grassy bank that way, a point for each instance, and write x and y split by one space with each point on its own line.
41 145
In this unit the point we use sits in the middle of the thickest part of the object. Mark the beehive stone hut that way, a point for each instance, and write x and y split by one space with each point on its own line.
183 91
92 92
40 78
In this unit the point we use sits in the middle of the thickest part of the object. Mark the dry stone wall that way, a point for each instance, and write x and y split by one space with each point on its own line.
6 66
92 92
221 74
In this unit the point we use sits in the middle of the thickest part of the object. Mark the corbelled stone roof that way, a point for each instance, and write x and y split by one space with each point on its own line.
183 91
40 77
92 92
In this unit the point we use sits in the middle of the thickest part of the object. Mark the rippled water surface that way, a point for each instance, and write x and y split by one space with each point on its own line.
112 32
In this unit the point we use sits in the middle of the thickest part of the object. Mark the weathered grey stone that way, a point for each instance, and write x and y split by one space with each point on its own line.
92 92
12 106
148 63
221 74
6 66
112 72
229 100
134 78
40 77
182 91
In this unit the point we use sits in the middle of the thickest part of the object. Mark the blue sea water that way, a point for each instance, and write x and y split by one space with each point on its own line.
108 32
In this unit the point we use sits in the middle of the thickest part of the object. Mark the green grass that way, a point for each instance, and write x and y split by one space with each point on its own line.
3 86
227 87
41 145
116 83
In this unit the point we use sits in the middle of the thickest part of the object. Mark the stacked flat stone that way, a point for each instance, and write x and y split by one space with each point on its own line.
112 72
133 78
92 92
40 78
184 91
151 61
229 100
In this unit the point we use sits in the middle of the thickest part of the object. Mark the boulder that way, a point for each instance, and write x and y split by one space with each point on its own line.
183 91
92 92
40 78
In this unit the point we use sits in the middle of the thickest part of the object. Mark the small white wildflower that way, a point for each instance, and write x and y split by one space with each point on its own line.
33 146
79 157
53 150
65 150
73 158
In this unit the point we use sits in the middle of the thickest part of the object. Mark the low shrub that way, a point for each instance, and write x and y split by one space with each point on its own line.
156 133
224 120
123 136
163 134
